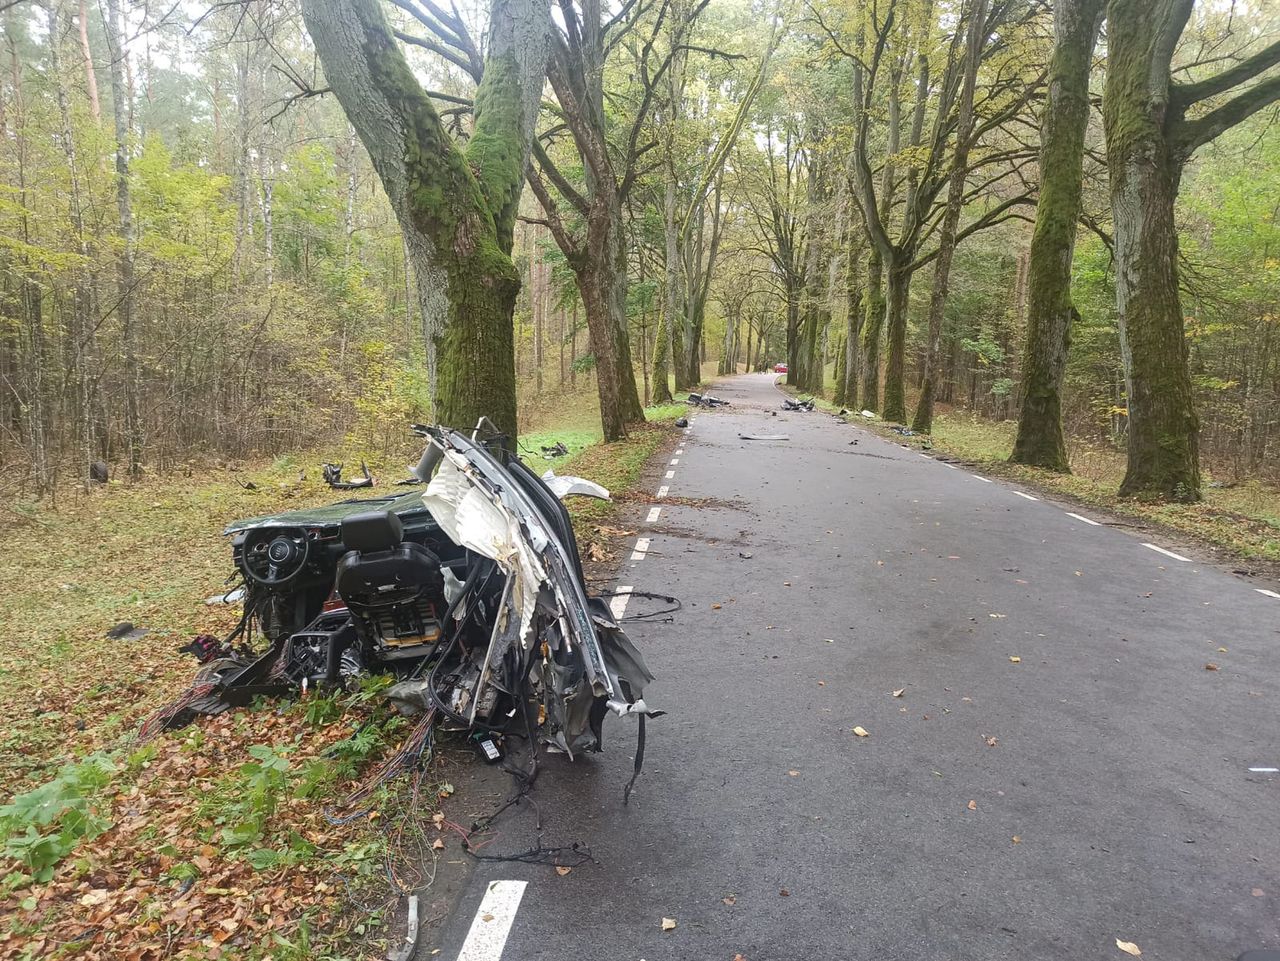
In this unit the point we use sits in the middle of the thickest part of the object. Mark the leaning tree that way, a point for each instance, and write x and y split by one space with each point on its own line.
456 204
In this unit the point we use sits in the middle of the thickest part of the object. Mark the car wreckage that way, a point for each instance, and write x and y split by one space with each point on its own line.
467 589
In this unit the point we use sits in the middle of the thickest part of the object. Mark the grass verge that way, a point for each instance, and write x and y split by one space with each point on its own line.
212 841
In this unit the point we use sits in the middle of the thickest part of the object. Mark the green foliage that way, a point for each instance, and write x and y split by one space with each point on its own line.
42 826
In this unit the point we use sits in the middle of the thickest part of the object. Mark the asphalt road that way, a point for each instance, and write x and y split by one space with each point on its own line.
1061 770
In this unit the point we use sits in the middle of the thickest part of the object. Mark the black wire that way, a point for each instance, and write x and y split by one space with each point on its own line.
675 602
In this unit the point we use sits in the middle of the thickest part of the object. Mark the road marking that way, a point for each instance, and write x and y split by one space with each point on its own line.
952 466
674 461
1161 550
1027 496
1081 517
642 547
679 451
985 480
1265 770
653 514
618 603
926 457
493 920
662 491
1263 590
670 474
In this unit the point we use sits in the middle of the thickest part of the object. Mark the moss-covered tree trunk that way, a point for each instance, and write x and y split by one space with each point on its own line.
1164 457
456 207
661 360
873 331
1040 441
895 320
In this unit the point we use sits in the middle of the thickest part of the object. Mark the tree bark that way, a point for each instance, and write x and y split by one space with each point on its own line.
456 208
873 328
895 318
1144 173
975 40
1040 441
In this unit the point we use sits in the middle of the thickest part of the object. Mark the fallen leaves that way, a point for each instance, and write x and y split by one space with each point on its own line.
861 731
730 899
562 870
1014 659
991 741
973 805
668 924
899 692
1128 947
1211 667
793 773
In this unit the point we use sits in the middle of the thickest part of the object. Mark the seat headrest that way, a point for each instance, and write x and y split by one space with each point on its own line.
372 531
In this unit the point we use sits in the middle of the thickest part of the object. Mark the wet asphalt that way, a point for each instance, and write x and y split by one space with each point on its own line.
1096 789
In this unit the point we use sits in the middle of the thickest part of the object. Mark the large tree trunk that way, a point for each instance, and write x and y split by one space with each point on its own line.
1164 459
456 209
1040 441
873 329
602 279
895 398
673 287
975 39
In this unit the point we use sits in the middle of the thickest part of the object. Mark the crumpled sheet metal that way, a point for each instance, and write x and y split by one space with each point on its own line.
564 485
589 671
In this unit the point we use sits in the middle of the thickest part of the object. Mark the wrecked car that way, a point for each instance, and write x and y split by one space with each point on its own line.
467 589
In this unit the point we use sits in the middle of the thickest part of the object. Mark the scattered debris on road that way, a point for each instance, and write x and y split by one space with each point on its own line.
764 437
705 400
803 404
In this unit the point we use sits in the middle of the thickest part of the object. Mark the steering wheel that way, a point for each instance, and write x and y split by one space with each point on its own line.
275 555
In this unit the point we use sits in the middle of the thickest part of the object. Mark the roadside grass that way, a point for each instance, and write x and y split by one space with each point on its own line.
1243 518
211 841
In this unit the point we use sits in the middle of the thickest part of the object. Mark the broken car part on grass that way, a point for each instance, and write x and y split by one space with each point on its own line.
469 592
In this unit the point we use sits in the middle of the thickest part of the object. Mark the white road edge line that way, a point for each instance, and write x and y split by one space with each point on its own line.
493 920
1161 550
653 514
1081 517
926 457
952 466
642 548
985 480
618 603
1026 495
1263 590
662 491
674 461
670 474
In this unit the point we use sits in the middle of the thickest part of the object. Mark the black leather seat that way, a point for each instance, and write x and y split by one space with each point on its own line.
393 588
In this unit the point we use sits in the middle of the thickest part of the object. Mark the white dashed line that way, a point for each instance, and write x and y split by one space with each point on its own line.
1263 590
1081 517
985 480
674 461
642 548
1265 770
926 457
662 491
679 451
1027 496
653 514
670 474
493 920
618 603
952 466
1161 550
